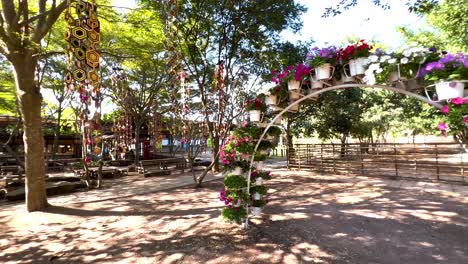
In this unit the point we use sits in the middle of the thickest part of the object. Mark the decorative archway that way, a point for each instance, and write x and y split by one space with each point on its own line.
314 94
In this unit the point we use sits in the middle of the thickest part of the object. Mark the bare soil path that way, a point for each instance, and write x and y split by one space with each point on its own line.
309 219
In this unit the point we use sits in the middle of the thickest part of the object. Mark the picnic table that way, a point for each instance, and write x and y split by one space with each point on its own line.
11 174
106 171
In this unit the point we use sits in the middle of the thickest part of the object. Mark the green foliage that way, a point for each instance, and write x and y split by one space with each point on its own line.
260 157
449 20
7 89
265 144
455 120
237 163
249 130
260 189
258 203
235 214
274 131
334 114
235 182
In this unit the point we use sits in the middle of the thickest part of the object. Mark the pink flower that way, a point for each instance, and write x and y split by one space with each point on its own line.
465 119
457 101
244 123
444 109
442 126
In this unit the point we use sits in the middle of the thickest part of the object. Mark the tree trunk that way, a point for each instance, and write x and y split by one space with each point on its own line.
137 143
200 178
57 132
343 145
30 99
215 150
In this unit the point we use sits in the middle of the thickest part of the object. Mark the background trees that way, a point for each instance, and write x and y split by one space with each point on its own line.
232 35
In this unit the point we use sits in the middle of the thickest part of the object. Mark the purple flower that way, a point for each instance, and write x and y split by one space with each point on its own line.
447 58
432 49
378 51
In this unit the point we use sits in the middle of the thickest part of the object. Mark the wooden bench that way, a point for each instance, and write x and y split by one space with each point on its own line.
54 166
174 163
123 166
12 174
153 168
107 172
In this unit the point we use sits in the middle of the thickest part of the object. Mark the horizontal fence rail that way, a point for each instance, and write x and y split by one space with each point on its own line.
428 161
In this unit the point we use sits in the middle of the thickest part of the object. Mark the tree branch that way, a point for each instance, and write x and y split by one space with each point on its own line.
43 28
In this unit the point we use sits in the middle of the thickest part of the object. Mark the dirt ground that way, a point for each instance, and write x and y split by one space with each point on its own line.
308 220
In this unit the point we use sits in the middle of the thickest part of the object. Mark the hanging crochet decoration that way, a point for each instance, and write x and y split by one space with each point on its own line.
83 36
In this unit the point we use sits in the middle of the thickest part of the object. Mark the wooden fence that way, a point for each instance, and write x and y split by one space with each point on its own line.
431 161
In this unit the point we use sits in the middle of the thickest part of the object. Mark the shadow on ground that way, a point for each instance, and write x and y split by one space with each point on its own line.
307 220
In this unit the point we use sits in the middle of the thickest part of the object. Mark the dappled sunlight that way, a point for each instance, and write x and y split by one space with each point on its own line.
357 196
307 219
368 213
287 216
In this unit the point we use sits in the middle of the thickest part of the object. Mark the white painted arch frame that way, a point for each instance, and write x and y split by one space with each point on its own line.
314 94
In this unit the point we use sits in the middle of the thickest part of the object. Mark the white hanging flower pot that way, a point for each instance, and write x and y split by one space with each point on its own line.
237 171
317 85
257 196
324 72
346 74
449 89
393 77
357 66
259 181
293 85
257 210
294 95
255 115
271 100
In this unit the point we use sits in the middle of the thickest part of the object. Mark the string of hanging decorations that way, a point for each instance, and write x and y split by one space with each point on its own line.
83 37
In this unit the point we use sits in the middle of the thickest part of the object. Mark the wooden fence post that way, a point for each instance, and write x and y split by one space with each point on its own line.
395 159
321 157
361 153
334 161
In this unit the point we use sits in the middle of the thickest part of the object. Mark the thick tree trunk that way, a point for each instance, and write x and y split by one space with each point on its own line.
30 99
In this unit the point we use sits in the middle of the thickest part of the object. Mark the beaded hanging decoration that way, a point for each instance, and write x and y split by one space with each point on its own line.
83 36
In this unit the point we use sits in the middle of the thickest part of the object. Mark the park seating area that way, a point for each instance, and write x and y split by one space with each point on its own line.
160 167
244 131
